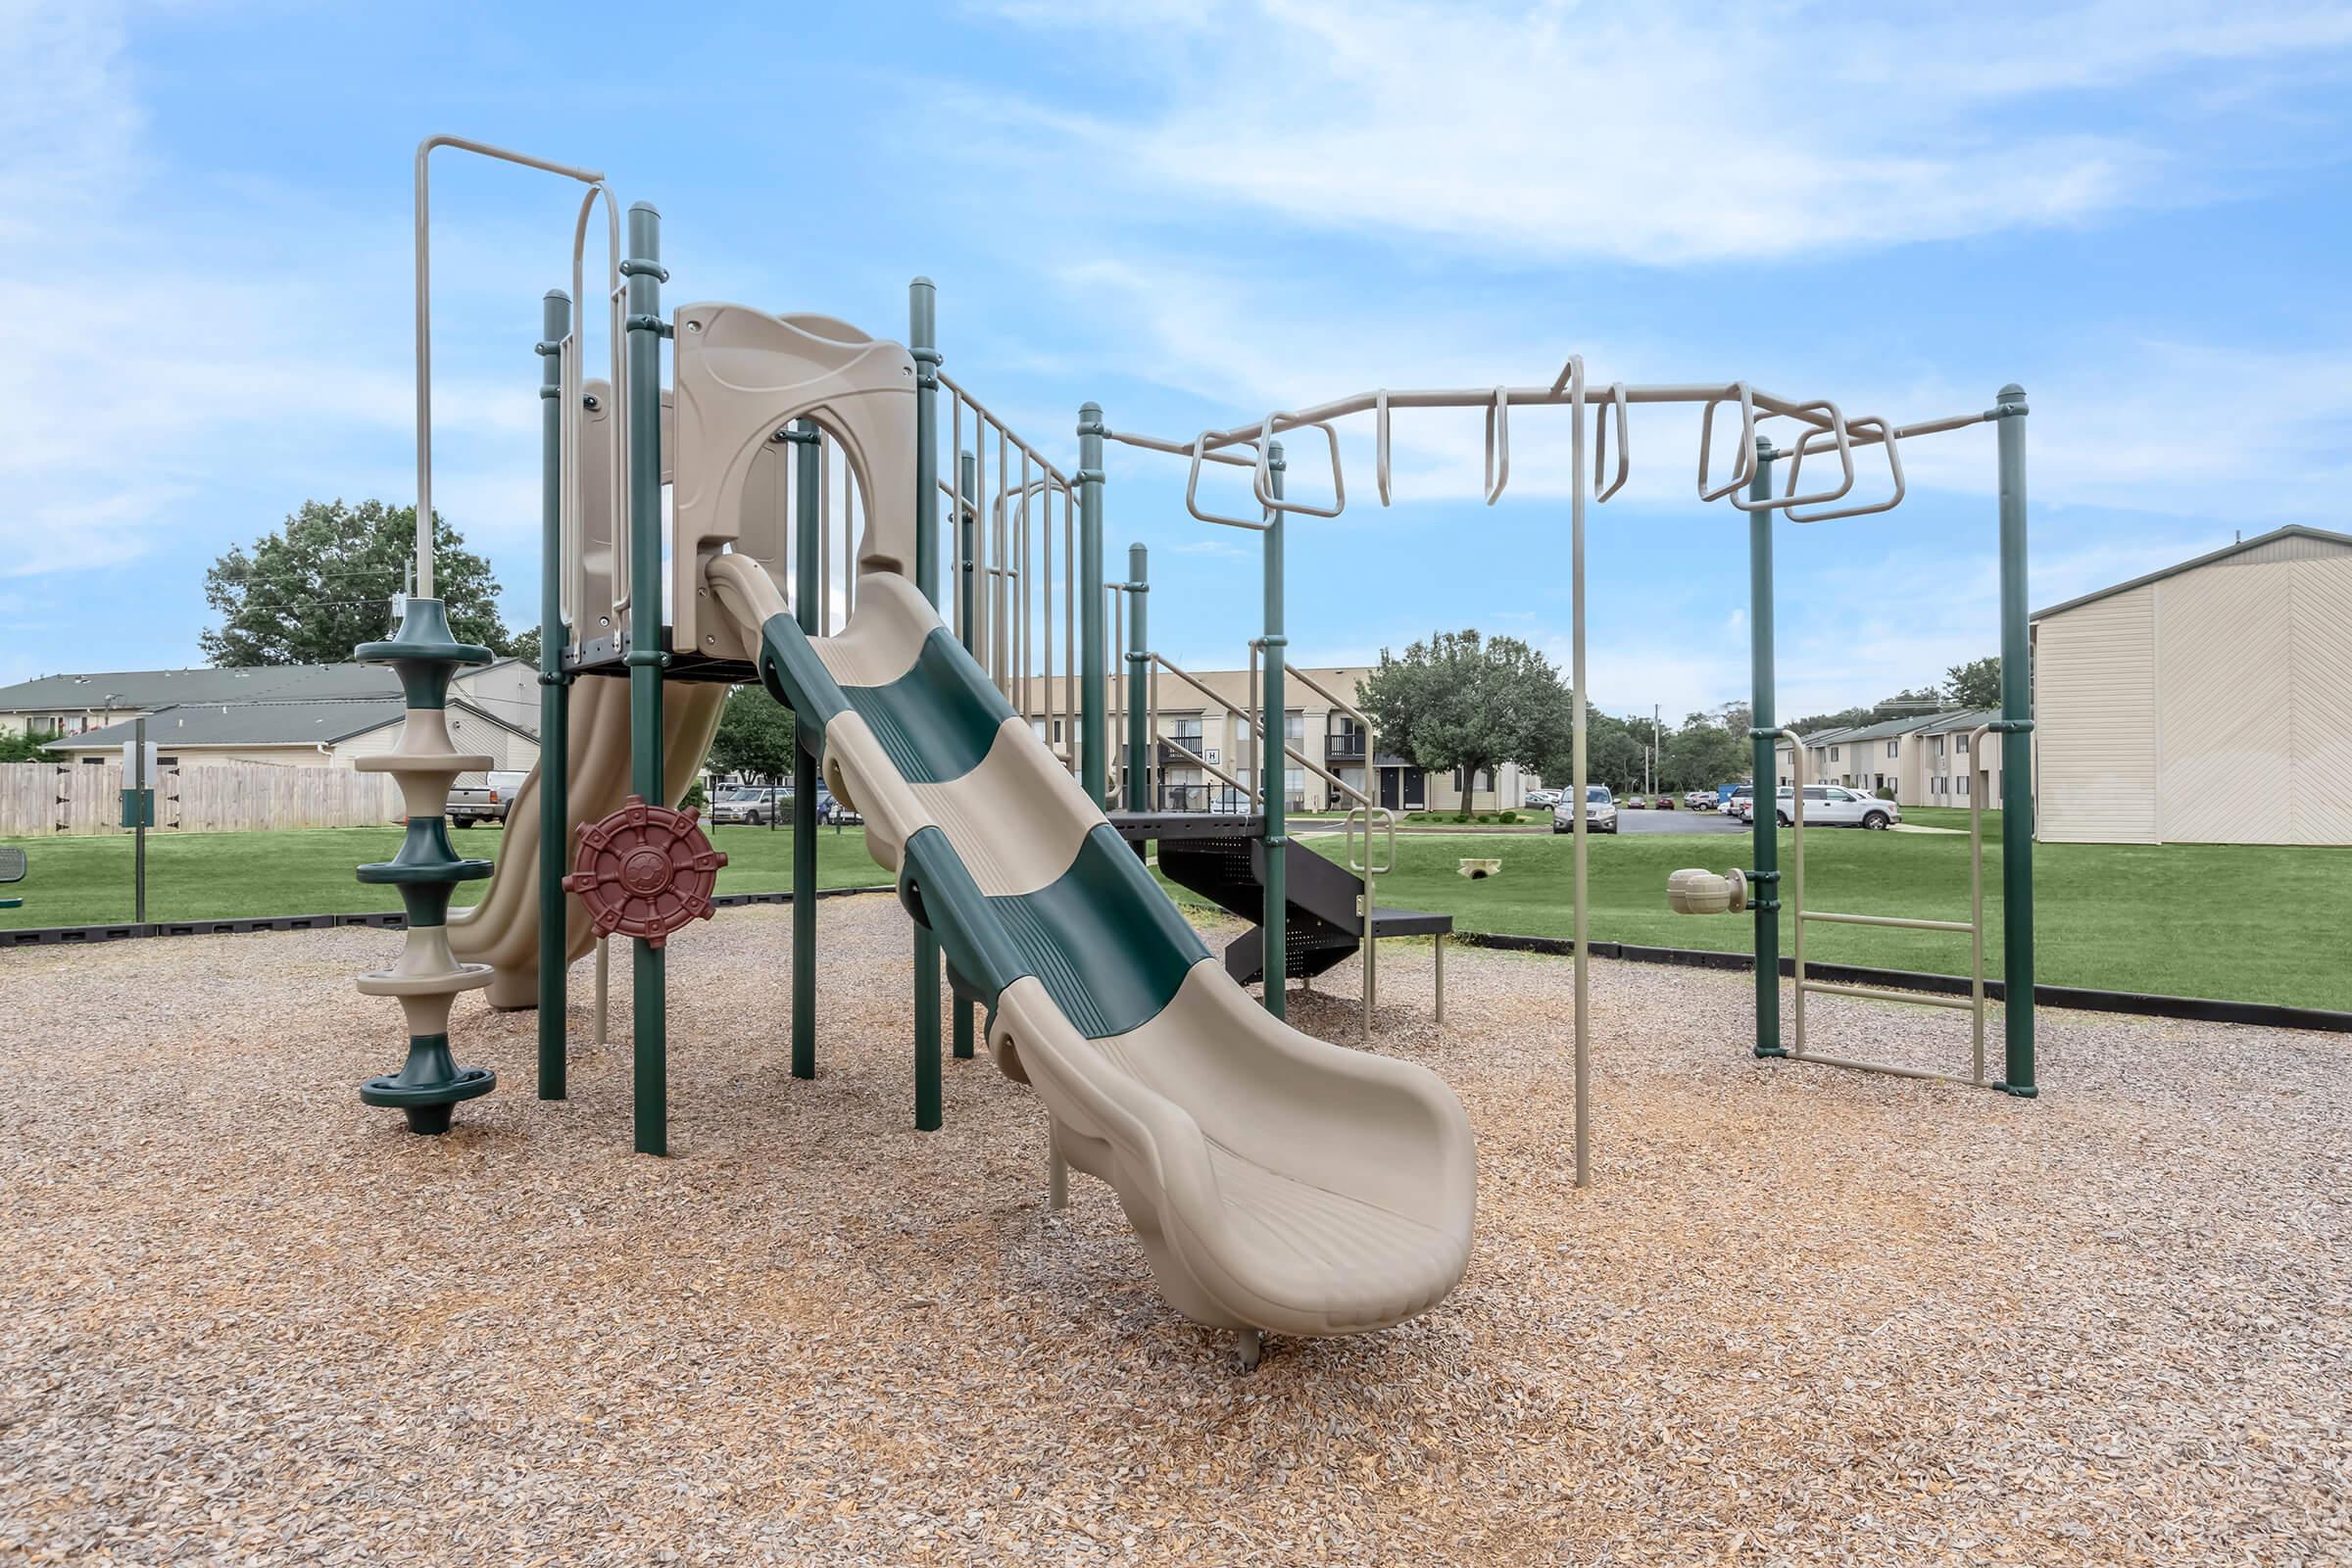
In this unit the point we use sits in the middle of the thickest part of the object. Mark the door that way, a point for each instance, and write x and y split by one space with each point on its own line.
1415 789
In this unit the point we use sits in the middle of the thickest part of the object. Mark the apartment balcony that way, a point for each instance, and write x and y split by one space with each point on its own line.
1338 746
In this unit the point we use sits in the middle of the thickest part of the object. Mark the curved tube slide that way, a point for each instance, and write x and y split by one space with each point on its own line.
503 929
1277 1182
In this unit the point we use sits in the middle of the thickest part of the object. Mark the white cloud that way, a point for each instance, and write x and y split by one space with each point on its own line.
1661 134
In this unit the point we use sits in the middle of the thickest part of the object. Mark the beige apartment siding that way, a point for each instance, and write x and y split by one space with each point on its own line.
2095 720
2224 771
2319 700
508 691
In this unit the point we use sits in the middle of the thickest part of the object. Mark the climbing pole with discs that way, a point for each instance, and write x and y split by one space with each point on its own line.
645 872
427 870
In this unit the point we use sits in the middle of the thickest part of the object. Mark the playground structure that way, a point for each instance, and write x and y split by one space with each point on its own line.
1276 1182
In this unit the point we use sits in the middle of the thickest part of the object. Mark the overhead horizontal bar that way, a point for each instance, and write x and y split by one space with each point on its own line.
1524 396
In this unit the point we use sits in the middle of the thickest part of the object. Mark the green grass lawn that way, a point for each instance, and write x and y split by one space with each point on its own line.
219 876
2249 922
2181 919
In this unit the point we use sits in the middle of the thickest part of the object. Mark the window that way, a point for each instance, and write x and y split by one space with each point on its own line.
1939 746
1964 783
93 761
1186 733
1890 747
1294 789
1058 732
1960 744
1833 754
1036 727
1294 725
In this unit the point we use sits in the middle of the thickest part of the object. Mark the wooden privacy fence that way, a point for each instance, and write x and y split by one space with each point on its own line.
44 798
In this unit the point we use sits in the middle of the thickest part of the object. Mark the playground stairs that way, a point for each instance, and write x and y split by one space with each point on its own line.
1221 859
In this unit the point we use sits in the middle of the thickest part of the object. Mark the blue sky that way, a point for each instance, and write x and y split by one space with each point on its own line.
1195 213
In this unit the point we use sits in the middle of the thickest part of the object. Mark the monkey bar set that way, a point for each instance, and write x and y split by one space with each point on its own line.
631 600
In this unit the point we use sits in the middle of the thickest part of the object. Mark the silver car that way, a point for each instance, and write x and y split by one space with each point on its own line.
1834 806
1600 811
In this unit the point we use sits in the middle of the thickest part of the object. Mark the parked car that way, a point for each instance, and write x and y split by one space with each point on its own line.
1536 799
1635 802
1699 800
1741 803
748 804
1600 811
1665 803
486 801
1830 805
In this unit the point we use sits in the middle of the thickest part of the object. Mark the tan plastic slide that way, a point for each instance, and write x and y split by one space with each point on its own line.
503 929
1276 1181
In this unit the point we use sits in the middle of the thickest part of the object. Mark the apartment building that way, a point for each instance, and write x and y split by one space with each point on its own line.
1205 720
1922 758
2210 701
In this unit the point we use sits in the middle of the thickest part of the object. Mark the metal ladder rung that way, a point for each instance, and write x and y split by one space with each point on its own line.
1892 1069
1901 922
1916 998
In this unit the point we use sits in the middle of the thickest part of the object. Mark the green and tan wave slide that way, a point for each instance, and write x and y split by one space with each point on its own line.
1277 1182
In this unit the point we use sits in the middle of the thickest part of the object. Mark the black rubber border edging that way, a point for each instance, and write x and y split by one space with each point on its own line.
2204 1009
384 919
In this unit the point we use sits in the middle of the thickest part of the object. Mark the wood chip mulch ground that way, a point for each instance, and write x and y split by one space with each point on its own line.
1804 1315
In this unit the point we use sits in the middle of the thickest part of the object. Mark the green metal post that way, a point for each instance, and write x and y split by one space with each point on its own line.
1764 733
805 591
1139 680
649 978
2016 756
968 482
142 812
922 344
1274 766
1093 744
555 704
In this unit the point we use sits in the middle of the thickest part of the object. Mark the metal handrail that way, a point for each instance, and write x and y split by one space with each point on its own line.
573 581
424 320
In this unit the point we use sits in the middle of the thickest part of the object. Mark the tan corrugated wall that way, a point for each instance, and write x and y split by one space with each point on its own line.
2221 665
2095 721
2320 699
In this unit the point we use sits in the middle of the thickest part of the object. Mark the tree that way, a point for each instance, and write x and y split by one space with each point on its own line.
324 581
1708 749
754 737
1974 684
22 746
1612 755
524 645
1461 701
